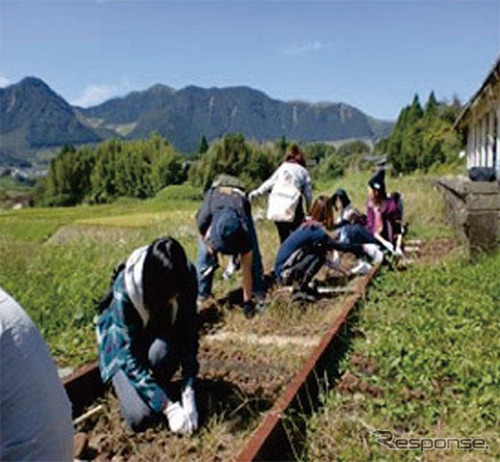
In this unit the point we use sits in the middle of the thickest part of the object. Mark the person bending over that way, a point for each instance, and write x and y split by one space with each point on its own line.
226 226
146 329
35 412
287 185
350 225
347 214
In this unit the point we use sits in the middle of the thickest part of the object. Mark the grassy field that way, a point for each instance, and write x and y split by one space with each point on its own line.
424 357
424 362
57 261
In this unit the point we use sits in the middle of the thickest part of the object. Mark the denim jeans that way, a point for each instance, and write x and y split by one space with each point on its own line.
305 268
163 362
207 263
354 236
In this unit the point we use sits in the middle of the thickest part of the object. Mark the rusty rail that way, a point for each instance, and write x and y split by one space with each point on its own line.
271 440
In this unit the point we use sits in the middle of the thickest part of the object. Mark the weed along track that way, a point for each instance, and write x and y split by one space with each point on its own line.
253 375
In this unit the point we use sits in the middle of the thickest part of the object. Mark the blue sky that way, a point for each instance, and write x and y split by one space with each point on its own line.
372 54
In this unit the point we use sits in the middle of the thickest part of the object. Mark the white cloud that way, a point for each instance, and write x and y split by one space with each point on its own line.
97 93
4 81
306 48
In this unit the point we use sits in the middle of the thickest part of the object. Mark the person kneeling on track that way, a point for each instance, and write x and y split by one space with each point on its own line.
226 226
383 214
362 244
146 329
306 250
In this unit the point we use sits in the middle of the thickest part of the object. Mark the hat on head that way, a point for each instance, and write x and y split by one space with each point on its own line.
377 181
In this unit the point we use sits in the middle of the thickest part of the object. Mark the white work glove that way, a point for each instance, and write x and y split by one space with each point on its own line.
399 253
177 418
388 246
189 406
253 195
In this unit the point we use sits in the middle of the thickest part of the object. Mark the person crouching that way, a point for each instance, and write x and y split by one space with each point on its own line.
148 330
306 250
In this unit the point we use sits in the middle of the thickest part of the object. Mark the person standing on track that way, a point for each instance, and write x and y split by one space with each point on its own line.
35 412
287 185
226 226
146 329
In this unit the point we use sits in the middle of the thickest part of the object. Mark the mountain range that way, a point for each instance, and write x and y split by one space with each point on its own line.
35 120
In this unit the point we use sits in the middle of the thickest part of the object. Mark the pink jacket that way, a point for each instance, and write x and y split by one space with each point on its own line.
390 215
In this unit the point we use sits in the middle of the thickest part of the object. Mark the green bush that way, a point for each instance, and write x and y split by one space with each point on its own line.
112 169
180 192
250 162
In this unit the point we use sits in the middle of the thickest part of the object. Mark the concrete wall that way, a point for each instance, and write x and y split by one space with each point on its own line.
474 210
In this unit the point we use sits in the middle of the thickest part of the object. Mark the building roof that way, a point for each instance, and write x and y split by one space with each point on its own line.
493 75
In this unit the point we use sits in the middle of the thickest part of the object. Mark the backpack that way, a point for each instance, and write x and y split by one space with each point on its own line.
283 200
482 174
104 302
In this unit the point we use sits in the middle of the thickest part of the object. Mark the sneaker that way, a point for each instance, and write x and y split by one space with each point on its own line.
210 269
303 296
311 290
361 268
261 305
374 252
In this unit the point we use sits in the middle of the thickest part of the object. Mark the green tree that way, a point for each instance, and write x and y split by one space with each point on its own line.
112 169
422 139
234 156
431 106
203 145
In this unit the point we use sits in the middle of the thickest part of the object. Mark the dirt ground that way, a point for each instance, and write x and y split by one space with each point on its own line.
244 367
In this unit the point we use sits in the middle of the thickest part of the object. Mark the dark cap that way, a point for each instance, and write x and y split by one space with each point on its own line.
377 181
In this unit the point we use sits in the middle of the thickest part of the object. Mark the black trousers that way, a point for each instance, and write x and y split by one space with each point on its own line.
285 228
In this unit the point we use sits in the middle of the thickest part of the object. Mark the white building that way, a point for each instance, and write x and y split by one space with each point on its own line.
480 119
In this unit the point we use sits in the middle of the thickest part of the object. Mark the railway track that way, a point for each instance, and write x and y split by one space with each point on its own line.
258 380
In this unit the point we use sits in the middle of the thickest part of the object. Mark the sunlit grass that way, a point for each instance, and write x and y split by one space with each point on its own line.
57 261
431 334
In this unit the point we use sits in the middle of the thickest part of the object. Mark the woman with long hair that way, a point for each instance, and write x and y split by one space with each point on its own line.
146 330
383 214
306 250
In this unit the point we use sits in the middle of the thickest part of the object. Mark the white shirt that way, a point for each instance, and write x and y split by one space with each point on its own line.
300 178
35 412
